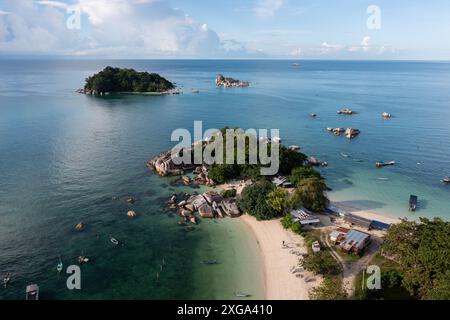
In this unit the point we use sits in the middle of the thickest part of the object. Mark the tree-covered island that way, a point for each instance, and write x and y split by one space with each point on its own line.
118 80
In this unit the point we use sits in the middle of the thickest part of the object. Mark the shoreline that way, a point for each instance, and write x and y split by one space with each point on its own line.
279 282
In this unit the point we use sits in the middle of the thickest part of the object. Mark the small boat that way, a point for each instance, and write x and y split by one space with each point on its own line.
413 203
242 295
195 91
114 241
381 164
295 64
210 262
345 155
32 292
386 115
383 179
7 279
313 115
446 180
294 148
83 259
59 266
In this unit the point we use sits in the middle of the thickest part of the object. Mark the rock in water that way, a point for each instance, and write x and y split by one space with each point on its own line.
80 226
132 214
206 211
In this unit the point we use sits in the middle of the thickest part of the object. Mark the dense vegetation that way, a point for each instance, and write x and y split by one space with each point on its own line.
262 199
126 80
223 172
330 289
422 250
253 200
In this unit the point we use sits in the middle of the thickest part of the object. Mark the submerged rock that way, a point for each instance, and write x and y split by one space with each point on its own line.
80 226
206 211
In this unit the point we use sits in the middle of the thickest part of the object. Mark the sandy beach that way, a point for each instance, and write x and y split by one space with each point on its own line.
280 282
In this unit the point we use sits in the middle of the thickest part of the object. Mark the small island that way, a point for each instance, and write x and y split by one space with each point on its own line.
117 80
222 81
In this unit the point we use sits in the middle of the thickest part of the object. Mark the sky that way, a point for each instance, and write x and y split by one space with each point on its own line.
279 29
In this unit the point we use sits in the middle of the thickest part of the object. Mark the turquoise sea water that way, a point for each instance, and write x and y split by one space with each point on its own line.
64 156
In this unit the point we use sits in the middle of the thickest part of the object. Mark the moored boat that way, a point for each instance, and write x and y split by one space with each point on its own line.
381 164
32 292
242 295
413 202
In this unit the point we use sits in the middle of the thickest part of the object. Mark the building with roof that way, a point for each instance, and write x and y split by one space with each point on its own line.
304 217
355 242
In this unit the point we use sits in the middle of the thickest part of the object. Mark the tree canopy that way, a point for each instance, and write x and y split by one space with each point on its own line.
126 80
422 250
310 192
253 200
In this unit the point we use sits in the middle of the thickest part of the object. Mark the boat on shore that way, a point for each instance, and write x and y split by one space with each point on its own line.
381 164
32 292
413 203
242 295
210 262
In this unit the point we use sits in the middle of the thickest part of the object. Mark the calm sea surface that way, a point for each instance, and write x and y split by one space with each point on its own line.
65 156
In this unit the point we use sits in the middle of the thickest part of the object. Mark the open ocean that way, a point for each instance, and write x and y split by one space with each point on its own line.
65 156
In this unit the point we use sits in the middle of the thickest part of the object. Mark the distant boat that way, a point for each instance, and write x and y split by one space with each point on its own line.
6 279
413 203
345 155
59 266
195 91
381 164
210 262
295 64
114 241
242 295
313 115
446 180
83 260
383 179
32 292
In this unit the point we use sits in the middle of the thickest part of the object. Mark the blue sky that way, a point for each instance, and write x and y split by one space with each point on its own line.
291 29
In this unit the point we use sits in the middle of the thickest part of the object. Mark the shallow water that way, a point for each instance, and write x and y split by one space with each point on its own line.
64 156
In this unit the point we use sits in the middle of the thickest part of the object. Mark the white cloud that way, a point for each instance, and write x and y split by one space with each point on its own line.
297 52
3 13
138 28
267 8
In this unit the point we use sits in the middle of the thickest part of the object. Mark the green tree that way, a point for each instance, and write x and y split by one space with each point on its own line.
311 193
253 200
301 173
422 250
278 200
322 263
290 159
330 289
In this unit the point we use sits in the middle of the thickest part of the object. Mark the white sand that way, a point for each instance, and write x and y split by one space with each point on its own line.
365 213
280 282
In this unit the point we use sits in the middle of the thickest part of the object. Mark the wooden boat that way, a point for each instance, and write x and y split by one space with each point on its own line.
6 279
32 292
59 266
210 262
242 295
413 203
381 164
